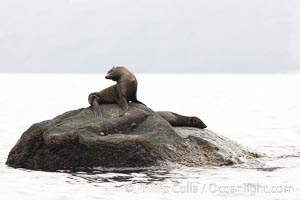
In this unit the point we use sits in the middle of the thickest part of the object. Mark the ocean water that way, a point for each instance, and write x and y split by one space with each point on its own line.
260 111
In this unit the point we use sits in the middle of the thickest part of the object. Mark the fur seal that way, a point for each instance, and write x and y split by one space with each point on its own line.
125 91
179 120
120 93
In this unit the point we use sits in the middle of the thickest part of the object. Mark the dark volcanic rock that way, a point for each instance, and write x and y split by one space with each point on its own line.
141 138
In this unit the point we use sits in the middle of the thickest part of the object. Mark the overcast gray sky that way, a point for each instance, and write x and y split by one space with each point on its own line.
233 36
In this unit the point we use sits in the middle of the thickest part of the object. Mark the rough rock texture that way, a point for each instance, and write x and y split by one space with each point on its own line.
141 138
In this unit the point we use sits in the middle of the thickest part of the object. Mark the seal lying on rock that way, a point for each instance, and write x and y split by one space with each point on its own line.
179 120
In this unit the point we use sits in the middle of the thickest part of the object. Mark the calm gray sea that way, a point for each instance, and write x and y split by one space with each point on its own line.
260 111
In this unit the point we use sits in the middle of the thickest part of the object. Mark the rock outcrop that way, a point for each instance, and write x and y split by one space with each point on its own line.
141 138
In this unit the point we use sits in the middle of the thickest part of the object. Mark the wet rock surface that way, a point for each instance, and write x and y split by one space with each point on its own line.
141 138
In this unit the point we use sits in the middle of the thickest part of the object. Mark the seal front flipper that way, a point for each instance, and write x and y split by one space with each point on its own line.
124 105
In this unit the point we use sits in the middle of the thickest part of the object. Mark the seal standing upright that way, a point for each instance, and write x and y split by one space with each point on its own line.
120 93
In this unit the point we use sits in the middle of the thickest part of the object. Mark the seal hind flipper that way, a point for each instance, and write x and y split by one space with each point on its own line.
97 109
94 102
137 101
